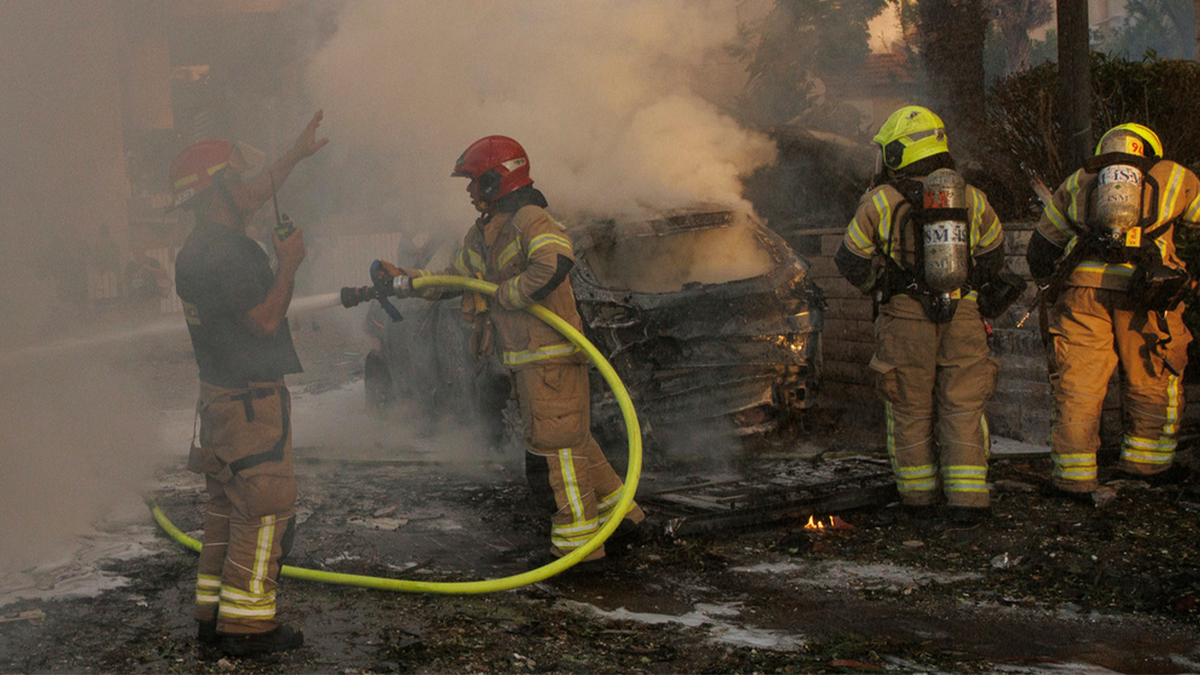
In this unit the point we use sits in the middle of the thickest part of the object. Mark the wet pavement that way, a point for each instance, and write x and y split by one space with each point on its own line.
409 498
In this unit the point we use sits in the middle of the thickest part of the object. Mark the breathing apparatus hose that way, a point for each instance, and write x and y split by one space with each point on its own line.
624 502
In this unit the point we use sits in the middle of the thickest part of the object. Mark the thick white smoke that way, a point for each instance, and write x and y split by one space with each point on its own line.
602 95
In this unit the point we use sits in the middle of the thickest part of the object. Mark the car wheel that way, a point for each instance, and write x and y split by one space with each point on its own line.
377 382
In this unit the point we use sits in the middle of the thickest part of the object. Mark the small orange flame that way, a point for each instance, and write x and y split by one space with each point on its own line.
827 523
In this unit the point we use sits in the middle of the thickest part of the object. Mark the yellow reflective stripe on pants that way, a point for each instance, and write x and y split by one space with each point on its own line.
262 553
208 589
581 528
235 603
922 478
965 478
1075 467
915 478
605 506
566 463
1170 414
1146 451
571 536
1173 386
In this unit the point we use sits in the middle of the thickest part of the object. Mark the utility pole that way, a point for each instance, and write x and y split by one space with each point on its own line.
1074 82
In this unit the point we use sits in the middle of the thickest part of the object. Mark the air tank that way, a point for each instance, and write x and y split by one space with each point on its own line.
946 235
1116 205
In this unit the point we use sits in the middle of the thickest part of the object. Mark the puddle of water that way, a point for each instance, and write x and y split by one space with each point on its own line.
1041 668
715 617
76 575
386 524
843 574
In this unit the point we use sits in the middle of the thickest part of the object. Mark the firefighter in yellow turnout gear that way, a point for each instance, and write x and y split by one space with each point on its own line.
932 362
516 245
1107 240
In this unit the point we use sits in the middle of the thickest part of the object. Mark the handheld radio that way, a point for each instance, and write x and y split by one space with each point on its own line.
283 223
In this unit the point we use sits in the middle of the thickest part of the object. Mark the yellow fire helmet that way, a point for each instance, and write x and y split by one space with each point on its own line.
1131 138
909 134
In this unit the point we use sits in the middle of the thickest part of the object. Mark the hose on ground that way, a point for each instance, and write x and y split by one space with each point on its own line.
624 502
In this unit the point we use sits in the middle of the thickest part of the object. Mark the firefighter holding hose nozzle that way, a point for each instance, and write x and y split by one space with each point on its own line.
1104 253
516 245
236 311
925 245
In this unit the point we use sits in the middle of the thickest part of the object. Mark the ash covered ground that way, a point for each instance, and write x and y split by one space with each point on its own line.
1046 586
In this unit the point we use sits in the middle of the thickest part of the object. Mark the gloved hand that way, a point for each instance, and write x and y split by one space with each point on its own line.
382 273
390 280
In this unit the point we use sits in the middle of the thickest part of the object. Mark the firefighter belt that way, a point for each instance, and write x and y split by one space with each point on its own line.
935 375
1091 331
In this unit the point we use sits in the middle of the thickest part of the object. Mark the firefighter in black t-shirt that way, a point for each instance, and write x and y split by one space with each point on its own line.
236 310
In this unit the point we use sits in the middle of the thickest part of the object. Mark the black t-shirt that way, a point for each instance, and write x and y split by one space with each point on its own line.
221 274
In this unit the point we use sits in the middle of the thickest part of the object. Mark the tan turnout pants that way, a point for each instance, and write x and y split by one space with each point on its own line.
245 452
556 410
944 373
1091 331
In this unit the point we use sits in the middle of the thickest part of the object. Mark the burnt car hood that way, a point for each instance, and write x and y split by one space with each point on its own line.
704 349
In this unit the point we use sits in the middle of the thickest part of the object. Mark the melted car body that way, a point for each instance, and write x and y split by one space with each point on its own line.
707 316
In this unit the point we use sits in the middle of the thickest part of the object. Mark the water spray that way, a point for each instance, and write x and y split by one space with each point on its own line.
354 296
165 326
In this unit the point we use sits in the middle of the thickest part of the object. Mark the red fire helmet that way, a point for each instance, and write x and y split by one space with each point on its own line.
498 164
192 171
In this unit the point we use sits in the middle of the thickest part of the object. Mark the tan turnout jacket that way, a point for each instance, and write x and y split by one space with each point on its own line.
1065 218
525 254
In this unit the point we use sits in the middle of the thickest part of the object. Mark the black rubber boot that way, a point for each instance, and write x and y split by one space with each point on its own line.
208 641
1049 489
1174 475
968 515
918 514
206 633
627 535
282 639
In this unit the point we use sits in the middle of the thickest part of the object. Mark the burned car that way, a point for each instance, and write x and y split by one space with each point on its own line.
422 367
708 317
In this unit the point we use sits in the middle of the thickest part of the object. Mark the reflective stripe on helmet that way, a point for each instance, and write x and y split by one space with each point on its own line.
1150 140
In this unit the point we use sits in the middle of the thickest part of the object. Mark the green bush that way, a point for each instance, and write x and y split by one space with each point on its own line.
1022 137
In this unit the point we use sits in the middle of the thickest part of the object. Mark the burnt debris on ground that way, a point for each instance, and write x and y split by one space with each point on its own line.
1043 581
1046 584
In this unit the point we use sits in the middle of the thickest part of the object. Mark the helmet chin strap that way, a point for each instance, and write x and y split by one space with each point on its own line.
239 221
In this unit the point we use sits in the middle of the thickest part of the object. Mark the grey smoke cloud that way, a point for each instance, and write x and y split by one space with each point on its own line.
618 103
603 96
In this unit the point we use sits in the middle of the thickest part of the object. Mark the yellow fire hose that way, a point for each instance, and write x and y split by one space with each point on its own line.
632 429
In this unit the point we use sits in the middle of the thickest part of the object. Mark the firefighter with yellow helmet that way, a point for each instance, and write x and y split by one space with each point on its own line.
1104 248
516 245
923 244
